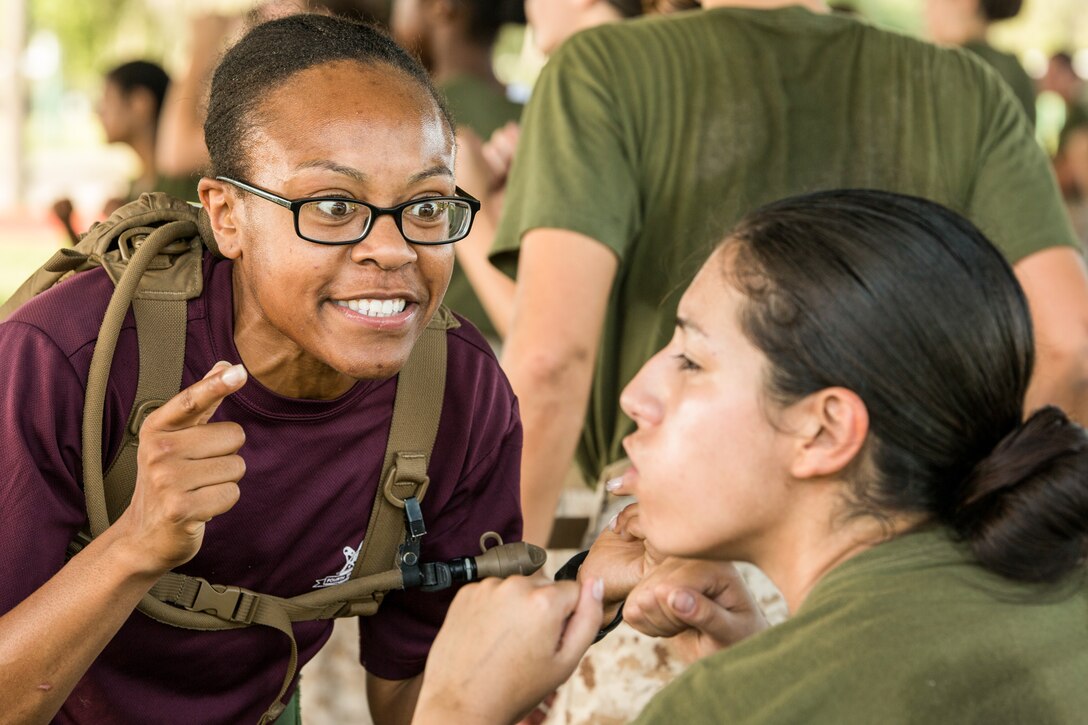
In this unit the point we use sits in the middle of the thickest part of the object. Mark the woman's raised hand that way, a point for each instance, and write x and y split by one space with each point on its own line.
703 605
188 472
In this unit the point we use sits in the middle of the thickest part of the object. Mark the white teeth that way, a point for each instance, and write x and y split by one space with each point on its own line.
375 308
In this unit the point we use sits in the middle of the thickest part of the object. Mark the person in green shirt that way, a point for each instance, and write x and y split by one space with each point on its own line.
454 39
966 23
819 413
644 138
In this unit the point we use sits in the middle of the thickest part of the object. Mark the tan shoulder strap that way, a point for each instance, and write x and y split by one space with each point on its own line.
421 387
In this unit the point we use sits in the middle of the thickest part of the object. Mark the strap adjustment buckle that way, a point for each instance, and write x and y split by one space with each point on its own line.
225 602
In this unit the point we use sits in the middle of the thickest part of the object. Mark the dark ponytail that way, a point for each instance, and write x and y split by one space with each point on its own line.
907 304
1026 504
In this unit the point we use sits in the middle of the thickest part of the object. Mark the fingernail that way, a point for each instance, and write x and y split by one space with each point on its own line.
598 589
682 602
613 484
235 375
612 522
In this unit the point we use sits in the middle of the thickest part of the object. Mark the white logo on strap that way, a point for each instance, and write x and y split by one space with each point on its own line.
344 574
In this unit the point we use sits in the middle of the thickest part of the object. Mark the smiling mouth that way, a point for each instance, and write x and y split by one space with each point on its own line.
375 308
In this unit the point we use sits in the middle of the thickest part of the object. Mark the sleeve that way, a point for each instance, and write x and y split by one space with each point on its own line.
395 642
41 500
1015 199
575 168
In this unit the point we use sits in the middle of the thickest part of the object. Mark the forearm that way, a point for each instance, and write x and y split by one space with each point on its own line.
51 638
393 702
1060 379
179 146
553 393
493 288
1055 282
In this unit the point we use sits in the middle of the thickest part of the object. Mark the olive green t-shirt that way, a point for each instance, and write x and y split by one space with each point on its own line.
653 136
911 631
477 105
1010 70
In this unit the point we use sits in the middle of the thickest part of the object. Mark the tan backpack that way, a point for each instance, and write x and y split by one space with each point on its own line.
152 249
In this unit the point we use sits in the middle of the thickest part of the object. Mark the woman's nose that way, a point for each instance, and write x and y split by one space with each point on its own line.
641 399
384 246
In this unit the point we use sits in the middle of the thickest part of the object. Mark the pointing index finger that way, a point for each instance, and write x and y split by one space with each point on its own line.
196 404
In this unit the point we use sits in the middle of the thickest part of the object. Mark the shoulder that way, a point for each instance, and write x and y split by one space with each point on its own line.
70 313
473 373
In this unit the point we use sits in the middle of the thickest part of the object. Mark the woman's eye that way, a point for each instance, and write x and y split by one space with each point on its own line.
427 211
684 362
336 208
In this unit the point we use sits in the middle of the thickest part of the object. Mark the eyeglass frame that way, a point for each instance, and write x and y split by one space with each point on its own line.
294 205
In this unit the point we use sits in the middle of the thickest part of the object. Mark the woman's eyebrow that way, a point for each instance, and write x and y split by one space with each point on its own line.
689 327
436 170
334 167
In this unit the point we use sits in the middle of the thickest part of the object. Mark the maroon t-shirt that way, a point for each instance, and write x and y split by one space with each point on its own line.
312 467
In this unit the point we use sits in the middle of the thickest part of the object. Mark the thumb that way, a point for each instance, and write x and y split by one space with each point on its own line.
704 614
196 404
583 625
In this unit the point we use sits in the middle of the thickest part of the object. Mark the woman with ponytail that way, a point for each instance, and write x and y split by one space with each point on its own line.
842 405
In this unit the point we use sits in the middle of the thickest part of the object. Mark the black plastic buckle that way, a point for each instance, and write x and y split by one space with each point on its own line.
413 515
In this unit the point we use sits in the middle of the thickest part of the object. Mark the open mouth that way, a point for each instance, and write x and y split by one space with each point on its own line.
375 308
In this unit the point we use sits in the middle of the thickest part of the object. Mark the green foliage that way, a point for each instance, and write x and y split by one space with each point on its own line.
89 31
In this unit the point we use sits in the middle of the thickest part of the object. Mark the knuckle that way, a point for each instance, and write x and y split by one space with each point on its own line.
175 513
186 401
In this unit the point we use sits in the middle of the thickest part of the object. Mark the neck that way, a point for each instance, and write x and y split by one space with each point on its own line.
806 550
144 146
277 363
817 6
960 29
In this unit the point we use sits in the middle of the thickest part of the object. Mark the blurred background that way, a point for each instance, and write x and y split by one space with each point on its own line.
55 53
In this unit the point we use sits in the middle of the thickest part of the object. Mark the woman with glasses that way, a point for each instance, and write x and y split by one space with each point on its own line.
331 196
820 413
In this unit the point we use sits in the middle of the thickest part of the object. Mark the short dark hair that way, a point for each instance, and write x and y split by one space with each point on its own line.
272 52
995 10
908 305
141 74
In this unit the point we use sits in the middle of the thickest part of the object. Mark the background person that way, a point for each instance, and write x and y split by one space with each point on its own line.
483 167
819 413
455 40
966 23
129 109
312 334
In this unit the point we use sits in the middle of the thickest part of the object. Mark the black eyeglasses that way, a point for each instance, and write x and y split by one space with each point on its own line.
342 220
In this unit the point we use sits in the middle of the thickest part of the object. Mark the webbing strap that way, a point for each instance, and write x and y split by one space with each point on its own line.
227 607
160 332
421 387
98 378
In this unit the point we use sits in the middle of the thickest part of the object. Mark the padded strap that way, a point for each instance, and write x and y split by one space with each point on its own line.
98 378
421 387
160 331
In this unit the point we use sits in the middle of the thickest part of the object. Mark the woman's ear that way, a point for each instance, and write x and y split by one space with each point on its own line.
220 203
833 425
